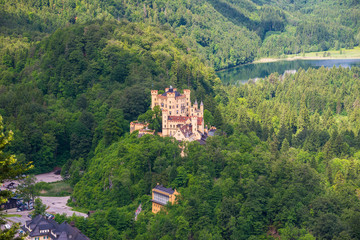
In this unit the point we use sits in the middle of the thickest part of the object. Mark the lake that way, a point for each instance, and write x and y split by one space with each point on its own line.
243 73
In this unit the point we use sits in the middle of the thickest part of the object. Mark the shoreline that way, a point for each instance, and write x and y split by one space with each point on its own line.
268 60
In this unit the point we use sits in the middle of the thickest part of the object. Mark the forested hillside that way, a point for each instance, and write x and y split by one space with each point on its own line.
87 82
285 160
224 32
286 166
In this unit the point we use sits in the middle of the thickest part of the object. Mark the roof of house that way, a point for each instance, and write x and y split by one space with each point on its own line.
62 231
164 189
65 231
38 224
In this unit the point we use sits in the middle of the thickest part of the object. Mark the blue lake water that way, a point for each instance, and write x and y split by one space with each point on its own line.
242 74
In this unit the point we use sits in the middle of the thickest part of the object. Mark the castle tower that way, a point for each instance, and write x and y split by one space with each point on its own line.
154 94
165 130
187 101
171 101
194 124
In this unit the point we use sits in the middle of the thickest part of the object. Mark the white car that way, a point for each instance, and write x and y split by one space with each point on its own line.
7 226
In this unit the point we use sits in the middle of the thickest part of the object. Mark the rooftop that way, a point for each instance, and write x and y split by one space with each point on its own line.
62 231
164 189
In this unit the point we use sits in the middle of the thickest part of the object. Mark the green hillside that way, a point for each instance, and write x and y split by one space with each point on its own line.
86 82
288 166
225 32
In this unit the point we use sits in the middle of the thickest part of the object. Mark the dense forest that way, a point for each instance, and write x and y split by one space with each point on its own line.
224 32
285 160
285 164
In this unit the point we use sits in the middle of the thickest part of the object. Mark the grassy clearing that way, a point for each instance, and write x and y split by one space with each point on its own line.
79 209
333 54
55 189
12 215
338 54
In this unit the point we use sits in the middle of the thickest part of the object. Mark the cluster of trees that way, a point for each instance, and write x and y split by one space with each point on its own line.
86 82
285 163
10 168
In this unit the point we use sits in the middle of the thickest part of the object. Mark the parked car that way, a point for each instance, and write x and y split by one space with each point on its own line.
10 185
49 216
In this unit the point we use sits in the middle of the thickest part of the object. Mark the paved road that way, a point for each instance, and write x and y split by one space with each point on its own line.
24 216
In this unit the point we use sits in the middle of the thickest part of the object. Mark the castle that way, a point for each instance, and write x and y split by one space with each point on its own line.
180 119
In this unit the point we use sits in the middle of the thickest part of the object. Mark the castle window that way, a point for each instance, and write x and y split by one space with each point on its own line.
170 112
162 104
177 106
170 107
177 112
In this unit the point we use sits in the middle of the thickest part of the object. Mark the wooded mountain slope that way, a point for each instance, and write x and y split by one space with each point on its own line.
288 166
224 32
87 82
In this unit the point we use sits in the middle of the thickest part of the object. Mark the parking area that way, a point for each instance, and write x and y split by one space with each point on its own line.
55 204
45 177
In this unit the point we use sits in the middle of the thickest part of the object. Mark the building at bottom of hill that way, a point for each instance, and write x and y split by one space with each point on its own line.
161 196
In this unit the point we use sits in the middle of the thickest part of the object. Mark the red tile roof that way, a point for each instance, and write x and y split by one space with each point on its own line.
184 119
178 118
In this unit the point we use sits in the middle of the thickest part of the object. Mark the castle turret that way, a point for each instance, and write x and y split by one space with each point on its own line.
154 94
201 109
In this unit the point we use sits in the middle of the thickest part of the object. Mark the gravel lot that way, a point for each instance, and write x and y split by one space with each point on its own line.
45 177
58 205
